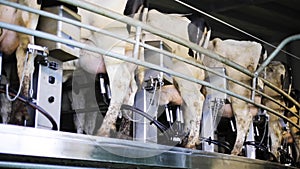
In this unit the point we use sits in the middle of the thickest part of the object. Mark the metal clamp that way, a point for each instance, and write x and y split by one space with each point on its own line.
39 50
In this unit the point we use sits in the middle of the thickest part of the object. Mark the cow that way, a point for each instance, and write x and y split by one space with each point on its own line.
121 74
11 42
246 54
281 133
81 98
197 31
274 73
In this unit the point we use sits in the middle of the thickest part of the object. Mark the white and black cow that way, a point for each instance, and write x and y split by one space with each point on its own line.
246 54
281 134
191 28
121 74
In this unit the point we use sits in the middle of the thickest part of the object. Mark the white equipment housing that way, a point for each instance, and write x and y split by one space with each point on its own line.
59 50
48 94
146 98
212 108
49 79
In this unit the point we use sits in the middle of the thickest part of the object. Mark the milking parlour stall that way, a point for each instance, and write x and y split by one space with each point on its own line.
149 84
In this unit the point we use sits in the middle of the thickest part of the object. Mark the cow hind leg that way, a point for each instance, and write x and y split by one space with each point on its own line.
192 101
20 113
119 77
243 121
192 108
5 104
77 102
125 127
276 136
5 109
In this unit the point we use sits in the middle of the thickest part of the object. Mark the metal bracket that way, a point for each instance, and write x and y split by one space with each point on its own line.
39 50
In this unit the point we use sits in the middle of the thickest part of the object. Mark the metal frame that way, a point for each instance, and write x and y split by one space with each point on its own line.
128 20
52 149
188 155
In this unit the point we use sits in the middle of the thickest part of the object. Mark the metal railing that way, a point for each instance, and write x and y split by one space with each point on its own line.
142 26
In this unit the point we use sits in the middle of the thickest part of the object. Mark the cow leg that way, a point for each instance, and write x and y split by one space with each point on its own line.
192 101
90 122
275 134
19 109
125 128
243 121
5 109
90 117
196 112
77 102
192 107
275 128
119 77
30 21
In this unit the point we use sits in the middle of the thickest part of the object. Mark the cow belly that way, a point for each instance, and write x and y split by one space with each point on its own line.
9 41
90 61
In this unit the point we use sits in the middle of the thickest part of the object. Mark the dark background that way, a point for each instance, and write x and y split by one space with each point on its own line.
268 20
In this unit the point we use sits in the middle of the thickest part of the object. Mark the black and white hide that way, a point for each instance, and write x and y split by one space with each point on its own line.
196 31
246 54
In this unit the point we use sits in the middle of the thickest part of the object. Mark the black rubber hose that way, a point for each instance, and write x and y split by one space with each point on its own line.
225 145
33 105
158 124
257 145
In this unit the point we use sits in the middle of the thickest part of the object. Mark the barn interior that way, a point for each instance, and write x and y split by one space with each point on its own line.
265 21
247 16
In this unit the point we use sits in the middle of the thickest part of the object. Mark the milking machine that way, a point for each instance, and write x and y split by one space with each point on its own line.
104 88
213 113
47 86
263 143
147 100
258 142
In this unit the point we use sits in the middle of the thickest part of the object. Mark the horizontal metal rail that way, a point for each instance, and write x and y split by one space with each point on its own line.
95 29
270 58
128 20
92 28
113 15
135 61
105 32
116 16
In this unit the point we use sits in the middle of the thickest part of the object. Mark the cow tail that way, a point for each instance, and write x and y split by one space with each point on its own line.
207 35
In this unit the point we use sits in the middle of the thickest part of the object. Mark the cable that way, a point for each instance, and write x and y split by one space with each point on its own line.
21 82
158 124
33 105
152 99
223 144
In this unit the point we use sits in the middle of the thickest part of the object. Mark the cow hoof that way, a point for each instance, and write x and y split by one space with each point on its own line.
235 152
106 132
190 146
103 133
